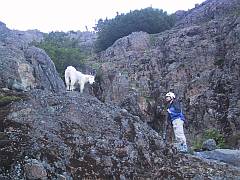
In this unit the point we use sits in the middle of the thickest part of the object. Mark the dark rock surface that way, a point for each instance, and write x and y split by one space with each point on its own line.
74 136
209 145
198 59
228 156
47 133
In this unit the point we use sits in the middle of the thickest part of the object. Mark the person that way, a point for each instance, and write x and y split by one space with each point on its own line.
176 118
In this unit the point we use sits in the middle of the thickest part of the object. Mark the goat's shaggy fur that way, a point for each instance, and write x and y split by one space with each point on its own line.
72 77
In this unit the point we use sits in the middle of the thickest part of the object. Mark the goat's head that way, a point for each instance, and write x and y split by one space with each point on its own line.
91 79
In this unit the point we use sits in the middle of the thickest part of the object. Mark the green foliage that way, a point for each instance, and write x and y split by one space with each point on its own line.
95 65
5 100
197 144
209 134
62 50
148 20
216 135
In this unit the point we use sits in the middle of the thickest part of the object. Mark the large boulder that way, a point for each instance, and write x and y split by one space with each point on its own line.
228 156
209 145
75 136
24 67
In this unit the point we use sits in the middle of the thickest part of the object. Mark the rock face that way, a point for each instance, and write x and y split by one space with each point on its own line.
75 136
207 11
223 155
35 170
209 145
24 67
120 74
85 39
198 59
29 35
49 134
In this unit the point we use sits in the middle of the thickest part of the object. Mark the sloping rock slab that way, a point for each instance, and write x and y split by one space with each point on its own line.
76 136
228 156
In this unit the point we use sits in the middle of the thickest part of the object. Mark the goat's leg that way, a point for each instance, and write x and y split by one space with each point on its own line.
71 88
67 86
73 81
67 81
81 86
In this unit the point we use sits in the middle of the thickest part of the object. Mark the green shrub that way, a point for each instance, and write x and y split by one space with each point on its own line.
197 144
216 135
209 134
63 51
148 20
5 100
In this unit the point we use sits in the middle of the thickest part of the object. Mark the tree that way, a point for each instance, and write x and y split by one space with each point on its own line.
148 20
62 50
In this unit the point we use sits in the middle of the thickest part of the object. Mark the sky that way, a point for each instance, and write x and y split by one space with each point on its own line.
66 15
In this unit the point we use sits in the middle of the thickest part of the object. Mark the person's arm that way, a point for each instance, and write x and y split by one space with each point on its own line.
177 107
175 111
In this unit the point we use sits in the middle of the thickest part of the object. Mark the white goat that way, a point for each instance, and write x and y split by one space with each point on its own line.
72 77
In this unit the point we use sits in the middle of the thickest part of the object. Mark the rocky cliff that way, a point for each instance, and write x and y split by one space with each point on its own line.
85 40
29 35
24 67
198 59
75 136
47 133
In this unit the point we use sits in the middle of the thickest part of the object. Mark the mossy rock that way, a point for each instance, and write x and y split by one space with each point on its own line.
5 100
209 134
3 135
